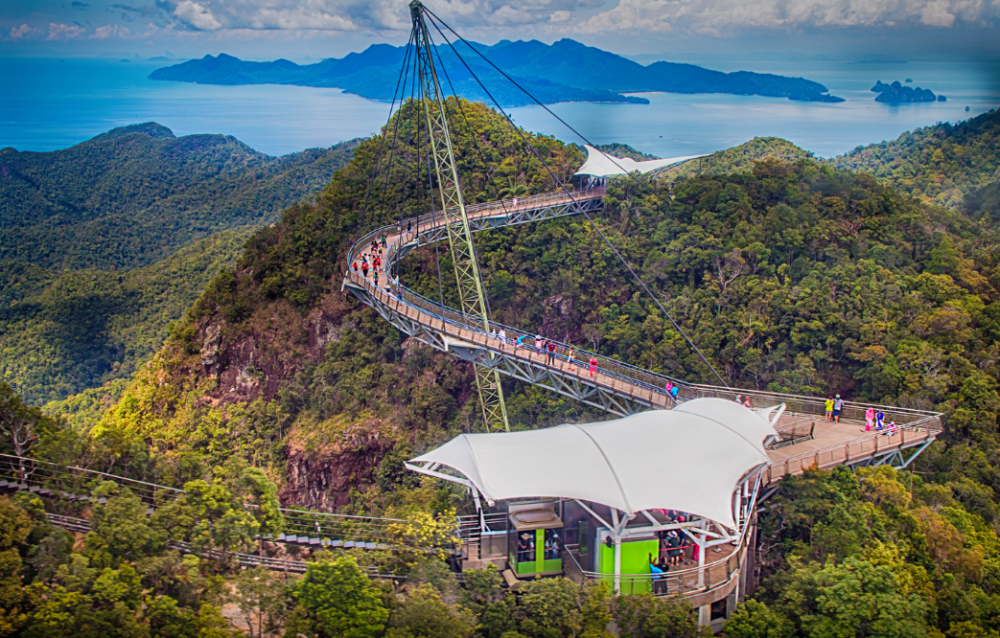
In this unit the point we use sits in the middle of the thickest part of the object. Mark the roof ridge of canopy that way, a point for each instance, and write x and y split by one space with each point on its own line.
609 464
734 431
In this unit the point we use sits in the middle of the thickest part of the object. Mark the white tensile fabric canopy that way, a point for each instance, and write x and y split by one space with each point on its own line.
689 458
600 164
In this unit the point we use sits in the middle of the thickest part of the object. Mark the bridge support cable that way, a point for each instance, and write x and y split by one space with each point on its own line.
470 284
436 21
381 146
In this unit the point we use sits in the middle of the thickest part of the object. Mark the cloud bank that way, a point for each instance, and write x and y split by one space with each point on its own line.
718 16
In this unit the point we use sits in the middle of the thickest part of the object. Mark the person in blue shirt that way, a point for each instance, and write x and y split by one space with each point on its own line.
673 393
659 577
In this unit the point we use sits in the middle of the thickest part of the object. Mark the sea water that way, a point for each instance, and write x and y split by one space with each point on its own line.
49 104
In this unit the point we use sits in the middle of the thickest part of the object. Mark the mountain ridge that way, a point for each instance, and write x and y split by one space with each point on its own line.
565 71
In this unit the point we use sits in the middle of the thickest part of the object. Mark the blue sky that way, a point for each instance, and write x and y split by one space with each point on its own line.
312 29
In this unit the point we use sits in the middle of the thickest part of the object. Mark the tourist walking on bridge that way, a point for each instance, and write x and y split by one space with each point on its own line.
593 366
551 347
829 410
838 405
869 419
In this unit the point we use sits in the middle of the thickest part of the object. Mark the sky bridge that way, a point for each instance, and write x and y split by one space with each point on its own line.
714 574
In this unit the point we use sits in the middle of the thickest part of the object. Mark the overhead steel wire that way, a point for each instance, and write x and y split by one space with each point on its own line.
378 156
635 276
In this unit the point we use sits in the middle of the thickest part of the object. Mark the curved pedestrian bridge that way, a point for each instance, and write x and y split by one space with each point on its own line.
613 386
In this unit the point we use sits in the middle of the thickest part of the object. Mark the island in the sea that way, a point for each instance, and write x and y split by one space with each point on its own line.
896 93
565 71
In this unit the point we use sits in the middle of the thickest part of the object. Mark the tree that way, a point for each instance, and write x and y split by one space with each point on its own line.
853 599
754 619
123 525
15 525
422 614
340 601
550 605
262 493
262 599
23 426
646 616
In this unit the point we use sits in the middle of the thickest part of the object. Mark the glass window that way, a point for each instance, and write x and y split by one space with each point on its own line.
526 546
553 544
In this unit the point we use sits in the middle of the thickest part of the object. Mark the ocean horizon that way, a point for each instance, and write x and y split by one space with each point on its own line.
56 103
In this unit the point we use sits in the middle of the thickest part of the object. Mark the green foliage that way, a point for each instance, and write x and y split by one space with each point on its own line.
920 570
738 159
15 525
134 195
942 164
754 619
339 601
422 614
104 244
64 332
123 525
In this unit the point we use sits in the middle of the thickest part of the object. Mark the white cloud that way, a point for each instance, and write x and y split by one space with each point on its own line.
364 15
196 16
64 31
721 15
109 31
937 14
24 32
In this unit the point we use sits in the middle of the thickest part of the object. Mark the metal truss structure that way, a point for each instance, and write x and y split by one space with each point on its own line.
898 458
616 400
439 327
459 234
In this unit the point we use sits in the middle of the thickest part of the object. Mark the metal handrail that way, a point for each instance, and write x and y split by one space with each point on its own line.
634 375
928 424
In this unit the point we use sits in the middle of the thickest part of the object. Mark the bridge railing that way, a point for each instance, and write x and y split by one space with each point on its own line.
863 447
242 559
633 375
428 221
627 373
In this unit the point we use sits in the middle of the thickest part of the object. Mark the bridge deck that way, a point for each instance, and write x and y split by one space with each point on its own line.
631 389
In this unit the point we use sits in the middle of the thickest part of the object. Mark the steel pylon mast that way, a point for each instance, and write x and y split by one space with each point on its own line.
463 251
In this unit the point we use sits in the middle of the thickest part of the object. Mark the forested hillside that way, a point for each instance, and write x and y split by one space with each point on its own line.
738 159
943 164
102 245
791 276
136 194
62 332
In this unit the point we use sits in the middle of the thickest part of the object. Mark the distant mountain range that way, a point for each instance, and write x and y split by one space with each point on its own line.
565 71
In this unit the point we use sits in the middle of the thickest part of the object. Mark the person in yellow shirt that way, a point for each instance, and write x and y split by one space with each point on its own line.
829 410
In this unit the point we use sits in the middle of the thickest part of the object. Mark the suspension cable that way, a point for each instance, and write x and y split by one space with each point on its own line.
559 182
522 89
461 109
378 156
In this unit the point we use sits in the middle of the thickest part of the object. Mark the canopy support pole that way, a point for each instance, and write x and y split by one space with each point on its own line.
701 560
593 513
617 538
